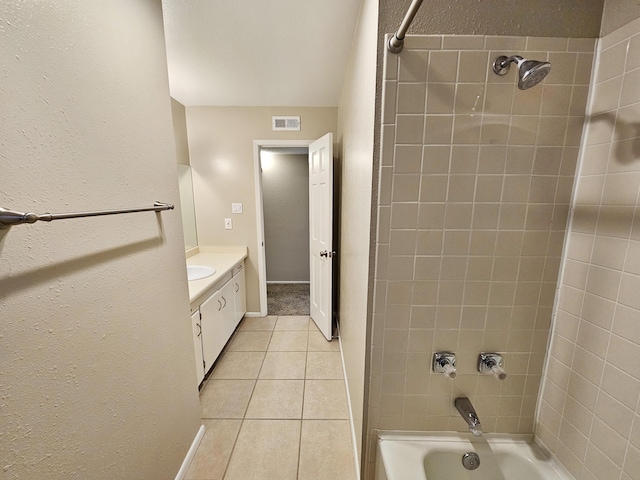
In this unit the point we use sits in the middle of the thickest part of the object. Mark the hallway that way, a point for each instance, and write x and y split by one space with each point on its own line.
275 406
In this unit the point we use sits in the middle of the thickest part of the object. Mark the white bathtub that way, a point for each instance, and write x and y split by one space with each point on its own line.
438 456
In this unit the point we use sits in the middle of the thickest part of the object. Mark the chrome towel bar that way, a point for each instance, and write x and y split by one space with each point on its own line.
10 217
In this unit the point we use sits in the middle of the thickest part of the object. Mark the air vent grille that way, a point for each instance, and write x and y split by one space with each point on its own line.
285 123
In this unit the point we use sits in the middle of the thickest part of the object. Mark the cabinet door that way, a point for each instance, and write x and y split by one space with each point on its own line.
197 345
228 309
213 338
240 294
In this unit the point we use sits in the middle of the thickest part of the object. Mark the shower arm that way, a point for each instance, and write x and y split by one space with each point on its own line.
502 64
397 41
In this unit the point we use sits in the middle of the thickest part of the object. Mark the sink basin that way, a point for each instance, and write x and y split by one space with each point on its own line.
196 272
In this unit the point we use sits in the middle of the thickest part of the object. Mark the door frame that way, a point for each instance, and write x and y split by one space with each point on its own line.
257 175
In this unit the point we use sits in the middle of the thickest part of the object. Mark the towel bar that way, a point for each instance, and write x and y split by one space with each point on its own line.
9 218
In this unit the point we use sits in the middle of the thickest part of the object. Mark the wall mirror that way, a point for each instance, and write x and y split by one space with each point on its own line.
185 184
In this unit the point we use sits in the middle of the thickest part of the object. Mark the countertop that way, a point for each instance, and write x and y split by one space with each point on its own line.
220 257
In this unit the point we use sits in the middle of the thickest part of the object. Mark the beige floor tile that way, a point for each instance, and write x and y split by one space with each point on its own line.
283 366
288 341
326 451
324 366
226 398
259 323
293 322
250 342
212 457
276 399
266 450
317 342
238 365
325 399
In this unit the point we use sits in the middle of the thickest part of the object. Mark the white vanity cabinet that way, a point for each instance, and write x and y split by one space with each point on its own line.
197 345
218 307
217 321
240 292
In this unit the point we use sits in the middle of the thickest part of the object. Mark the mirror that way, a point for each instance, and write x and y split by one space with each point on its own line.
185 185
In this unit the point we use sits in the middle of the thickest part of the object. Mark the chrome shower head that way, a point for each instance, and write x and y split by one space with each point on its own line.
530 72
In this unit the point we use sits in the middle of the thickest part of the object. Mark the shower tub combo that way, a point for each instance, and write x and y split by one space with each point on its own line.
454 456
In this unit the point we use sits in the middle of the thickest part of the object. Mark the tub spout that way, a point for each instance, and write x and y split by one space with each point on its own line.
466 410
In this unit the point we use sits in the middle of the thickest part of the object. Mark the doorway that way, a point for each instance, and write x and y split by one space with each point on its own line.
285 201
259 145
320 246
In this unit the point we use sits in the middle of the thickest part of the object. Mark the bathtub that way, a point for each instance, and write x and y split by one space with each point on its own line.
438 456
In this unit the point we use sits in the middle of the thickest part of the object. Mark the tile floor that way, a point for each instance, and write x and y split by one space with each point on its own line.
275 407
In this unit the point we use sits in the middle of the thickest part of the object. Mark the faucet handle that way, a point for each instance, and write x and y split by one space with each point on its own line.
491 363
445 362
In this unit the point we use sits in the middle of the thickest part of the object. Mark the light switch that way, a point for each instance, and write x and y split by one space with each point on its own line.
227 224
236 208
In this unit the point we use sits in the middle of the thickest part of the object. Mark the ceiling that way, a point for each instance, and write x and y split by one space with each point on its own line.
258 52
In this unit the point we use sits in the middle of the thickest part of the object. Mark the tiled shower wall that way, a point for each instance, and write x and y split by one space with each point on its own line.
589 416
475 183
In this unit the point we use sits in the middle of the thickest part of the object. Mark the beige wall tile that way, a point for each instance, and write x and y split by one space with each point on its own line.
612 62
473 66
441 98
411 98
413 67
409 129
486 242
438 129
407 159
443 66
462 42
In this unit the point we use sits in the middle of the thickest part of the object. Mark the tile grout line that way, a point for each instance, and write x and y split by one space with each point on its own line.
235 442
304 388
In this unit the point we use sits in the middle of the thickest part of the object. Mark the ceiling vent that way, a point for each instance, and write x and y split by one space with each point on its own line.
285 123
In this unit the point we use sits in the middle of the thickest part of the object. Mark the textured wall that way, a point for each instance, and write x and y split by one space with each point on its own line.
475 182
285 196
97 377
548 18
589 415
221 153
355 134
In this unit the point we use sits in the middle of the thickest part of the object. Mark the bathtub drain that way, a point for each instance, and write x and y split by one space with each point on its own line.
471 460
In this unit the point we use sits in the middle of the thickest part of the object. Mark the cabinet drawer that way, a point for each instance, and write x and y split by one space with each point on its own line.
238 268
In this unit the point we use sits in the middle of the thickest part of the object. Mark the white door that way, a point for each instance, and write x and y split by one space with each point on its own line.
321 231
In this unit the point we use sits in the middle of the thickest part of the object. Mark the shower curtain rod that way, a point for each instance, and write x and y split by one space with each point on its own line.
10 217
397 41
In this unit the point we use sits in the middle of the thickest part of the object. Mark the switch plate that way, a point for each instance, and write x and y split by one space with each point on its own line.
227 224
236 208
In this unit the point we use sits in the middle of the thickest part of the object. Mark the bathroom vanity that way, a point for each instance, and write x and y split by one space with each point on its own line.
218 301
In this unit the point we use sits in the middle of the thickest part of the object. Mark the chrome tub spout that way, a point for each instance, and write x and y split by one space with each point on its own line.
466 410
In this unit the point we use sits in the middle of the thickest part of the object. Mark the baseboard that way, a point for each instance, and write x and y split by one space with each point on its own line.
190 454
353 430
252 314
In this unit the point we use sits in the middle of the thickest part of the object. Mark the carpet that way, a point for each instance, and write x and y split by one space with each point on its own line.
288 298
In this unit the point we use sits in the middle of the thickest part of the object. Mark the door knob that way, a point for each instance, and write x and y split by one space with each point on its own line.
324 253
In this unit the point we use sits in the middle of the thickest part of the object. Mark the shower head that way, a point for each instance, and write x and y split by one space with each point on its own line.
530 72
